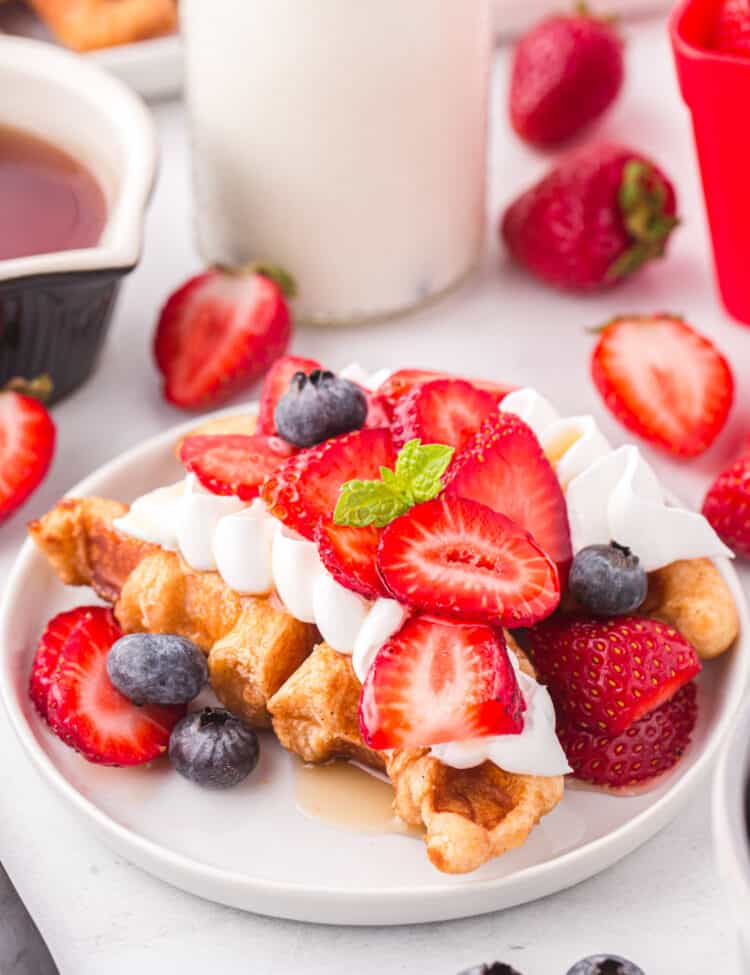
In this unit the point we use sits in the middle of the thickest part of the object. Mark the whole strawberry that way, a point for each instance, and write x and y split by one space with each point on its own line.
221 331
727 505
566 73
732 28
593 220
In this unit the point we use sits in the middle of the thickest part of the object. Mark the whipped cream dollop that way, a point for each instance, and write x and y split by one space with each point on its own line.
535 751
613 494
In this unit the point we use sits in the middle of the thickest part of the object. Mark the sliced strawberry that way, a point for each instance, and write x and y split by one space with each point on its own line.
350 555
436 681
88 714
218 333
646 750
606 674
47 656
306 487
276 383
727 506
402 382
460 558
664 381
233 463
446 411
27 444
504 467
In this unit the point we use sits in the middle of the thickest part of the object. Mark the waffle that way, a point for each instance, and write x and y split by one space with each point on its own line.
469 816
86 25
253 644
261 666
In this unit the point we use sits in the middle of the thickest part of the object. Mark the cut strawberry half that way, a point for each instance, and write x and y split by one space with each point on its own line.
276 383
402 382
47 657
646 750
459 558
664 381
306 487
350 555
86 712
27 444
504 467
233 463
606 674
437 681
446 411
218 333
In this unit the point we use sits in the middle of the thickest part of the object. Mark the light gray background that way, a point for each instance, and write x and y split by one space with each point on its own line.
662 906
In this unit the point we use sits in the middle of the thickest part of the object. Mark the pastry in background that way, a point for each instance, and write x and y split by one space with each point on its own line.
86 25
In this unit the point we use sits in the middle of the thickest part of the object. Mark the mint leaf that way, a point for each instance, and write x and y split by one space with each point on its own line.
369 503
422 466
417 478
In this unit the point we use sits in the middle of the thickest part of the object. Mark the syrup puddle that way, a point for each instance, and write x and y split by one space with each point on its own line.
345 795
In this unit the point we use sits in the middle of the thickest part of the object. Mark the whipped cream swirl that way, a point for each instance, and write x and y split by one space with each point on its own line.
613 494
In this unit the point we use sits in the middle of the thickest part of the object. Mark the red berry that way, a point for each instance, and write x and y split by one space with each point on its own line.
459 558
47 657
605 675
647 749
85 710
504 467
732 28
567 71
727 506
446 411
233 463
664 381
436 681
594 219
27 444
218 333
402 382
350 555
306 487
276 383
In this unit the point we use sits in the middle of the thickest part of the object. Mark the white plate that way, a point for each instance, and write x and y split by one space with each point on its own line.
153 68
253 849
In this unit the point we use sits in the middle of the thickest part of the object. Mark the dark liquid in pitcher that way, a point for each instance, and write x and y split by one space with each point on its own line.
48 201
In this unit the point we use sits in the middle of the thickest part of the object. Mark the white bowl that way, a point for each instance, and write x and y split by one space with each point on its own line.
730 821
60 303
254 849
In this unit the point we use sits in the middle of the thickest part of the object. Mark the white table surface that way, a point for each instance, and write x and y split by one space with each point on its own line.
662 906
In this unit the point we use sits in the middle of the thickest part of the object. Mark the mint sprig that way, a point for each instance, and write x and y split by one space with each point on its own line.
417 478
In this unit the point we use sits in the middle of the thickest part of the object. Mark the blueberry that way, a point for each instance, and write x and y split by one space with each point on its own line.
608 580
605 965
157 668
319 406
493 968
213 748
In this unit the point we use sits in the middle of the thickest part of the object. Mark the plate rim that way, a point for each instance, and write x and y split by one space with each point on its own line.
572 866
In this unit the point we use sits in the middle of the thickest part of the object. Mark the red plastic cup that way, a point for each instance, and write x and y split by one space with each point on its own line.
716 88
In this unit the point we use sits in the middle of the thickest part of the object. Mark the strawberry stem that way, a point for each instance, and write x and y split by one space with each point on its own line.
273 272
642 199
39 388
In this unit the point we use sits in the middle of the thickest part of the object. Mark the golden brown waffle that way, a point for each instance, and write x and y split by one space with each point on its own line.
253 644
86 25
469 816
259 662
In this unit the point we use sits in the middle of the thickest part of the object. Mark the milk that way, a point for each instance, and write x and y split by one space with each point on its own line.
344 140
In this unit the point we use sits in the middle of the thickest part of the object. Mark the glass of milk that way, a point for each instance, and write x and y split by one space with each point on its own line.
344 140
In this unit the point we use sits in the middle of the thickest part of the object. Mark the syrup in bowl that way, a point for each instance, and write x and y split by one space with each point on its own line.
49 201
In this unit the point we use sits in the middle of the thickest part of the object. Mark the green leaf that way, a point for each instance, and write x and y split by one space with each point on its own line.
422 467
369 503
417 478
